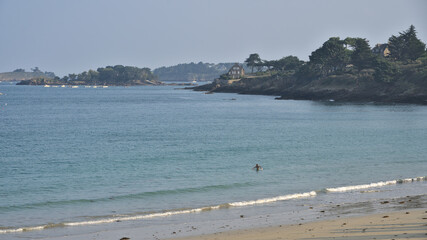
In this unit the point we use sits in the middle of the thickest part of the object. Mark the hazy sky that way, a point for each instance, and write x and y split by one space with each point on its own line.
77 35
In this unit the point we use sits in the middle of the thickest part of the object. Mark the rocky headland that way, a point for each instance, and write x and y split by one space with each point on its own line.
408 86
340 70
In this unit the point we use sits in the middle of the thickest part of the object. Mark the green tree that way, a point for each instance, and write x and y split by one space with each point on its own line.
349 42
19 70
332 56
287 63
93 76
253 60
269 64
106 75
385 71
72 77
65 79
406 46
362 56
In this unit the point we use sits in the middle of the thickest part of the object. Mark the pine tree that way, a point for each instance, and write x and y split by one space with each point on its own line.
253 60
362 56
406 46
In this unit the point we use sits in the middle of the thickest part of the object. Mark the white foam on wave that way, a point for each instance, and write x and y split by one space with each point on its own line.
274 199
215 207
375 185
363 186
139 217
112 220
164 214
16 230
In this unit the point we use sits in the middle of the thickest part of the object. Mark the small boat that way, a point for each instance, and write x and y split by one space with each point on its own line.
74 86
46 85
104 86
62 85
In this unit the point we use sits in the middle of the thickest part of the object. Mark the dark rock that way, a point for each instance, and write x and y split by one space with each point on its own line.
348 87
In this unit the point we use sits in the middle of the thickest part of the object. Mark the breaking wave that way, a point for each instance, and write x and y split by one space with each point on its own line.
375 185
119 218
274 199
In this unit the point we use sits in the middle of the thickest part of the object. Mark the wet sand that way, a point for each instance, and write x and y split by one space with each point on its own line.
407 224
392 218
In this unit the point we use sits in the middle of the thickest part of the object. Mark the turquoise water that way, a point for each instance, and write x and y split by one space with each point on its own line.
81 155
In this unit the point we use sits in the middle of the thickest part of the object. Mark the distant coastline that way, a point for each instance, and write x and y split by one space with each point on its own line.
49 83
345 70
22 75
348 87
117 75
340 70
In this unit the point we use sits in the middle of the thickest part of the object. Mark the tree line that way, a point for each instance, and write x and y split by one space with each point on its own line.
337 56
192 71
110 75
35 70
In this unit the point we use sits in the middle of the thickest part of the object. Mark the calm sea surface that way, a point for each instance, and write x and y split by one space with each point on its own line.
87 156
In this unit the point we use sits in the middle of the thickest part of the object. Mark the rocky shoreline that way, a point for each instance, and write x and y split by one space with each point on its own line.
347 88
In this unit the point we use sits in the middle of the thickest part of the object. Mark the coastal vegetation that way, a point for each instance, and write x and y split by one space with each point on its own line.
117 75
253 60
192 71
341 69
20 74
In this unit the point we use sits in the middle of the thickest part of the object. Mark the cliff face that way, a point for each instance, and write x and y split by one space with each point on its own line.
409 86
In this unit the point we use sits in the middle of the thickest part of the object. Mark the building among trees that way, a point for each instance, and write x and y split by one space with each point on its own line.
381 49
236 71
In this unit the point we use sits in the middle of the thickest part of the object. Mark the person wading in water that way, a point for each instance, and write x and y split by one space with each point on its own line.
257 167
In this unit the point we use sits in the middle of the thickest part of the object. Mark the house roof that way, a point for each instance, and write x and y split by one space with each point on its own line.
236 65
380 47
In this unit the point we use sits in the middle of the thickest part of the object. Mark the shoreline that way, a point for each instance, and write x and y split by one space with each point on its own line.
296 203
388 225
384 218
348 94
319 97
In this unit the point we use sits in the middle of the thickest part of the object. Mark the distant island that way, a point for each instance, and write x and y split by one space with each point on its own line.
189 72
118 75
340 70
20 74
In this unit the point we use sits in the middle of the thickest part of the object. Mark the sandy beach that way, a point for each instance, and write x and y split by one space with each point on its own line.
394 218
410 224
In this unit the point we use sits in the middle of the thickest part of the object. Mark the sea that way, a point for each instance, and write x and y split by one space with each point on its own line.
91 160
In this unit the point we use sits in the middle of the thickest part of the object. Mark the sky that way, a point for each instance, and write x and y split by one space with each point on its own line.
77 35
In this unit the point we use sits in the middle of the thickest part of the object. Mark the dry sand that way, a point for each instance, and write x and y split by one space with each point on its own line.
409 224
